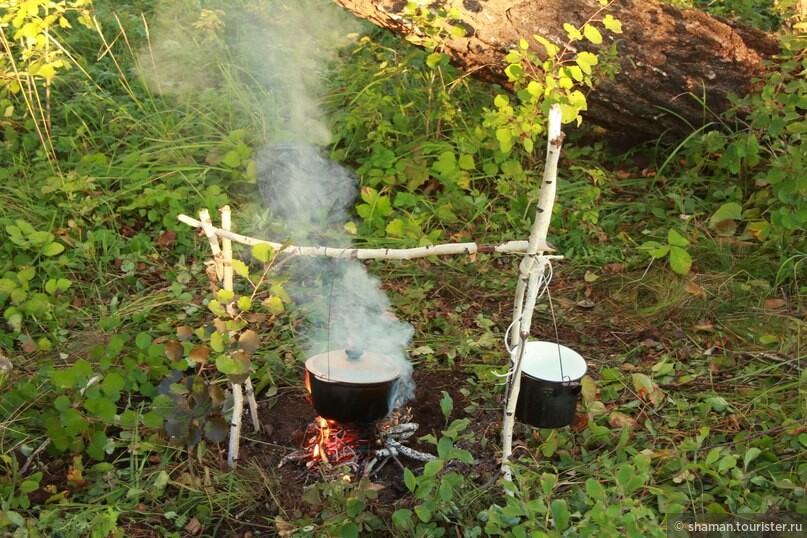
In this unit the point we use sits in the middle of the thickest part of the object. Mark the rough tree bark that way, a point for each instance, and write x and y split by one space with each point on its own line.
666 55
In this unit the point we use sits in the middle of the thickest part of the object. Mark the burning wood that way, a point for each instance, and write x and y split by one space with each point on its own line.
365 449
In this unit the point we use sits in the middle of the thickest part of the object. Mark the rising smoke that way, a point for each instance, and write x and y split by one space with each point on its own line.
286 47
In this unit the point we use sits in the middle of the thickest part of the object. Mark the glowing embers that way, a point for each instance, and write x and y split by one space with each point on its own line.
333 443
364 449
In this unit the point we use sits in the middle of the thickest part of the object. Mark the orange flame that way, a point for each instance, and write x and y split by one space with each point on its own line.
324 434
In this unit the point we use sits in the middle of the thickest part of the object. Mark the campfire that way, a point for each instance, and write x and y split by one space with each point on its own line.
365 449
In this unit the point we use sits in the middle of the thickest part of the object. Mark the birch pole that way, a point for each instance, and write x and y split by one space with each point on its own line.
227 253
445 249
531 277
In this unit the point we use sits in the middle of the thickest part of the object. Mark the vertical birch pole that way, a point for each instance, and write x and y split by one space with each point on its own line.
227 261
223 262
531 273
238 398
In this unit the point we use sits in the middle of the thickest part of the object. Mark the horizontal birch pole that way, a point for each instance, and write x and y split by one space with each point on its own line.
446 249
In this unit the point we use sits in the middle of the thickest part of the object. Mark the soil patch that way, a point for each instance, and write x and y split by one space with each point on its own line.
286 416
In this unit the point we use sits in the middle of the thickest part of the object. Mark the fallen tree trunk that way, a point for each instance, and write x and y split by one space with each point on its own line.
677 67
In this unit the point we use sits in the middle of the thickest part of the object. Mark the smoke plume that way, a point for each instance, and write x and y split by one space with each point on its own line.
286 49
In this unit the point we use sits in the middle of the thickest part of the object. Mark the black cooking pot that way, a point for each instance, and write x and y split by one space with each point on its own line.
550 385
350 386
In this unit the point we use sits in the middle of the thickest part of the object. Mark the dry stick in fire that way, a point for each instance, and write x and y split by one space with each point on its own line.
531 274
531 271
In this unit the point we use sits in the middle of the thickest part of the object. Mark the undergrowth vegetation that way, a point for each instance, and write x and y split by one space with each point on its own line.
683 284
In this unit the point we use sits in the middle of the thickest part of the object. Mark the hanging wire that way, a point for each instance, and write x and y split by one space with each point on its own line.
543 288
330 303
557 338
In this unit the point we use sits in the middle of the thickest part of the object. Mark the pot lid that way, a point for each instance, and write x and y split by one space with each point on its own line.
348 366
550 361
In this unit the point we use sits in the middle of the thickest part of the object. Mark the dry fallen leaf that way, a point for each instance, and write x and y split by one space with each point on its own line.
774 304
619 420
193 527
579 423
5 363
166 239
28 345
184 333
694 289
585 303
704 325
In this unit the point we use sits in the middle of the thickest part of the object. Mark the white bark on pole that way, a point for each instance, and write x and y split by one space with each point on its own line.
207 226
227 284
531 277
446 249
253 404
227 262
235 426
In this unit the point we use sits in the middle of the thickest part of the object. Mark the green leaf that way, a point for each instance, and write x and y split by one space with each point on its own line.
217 308
551 49
675 239
432 467
236 364
573 33
424 513
444 446
680 260
273 304
103 408
241 269
225 296
396 228
548 483
112 384
410 480
143 341
466 162
575 72
402 518
595 490
592 34
231 159
612 24
354 508
501 101
585 60
29 485
712 457
727 211
446 404
750 456
505 138
152 419
434 59
561 515
348 530
52 249
262 252
161 480
217 342
728 462
244 303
